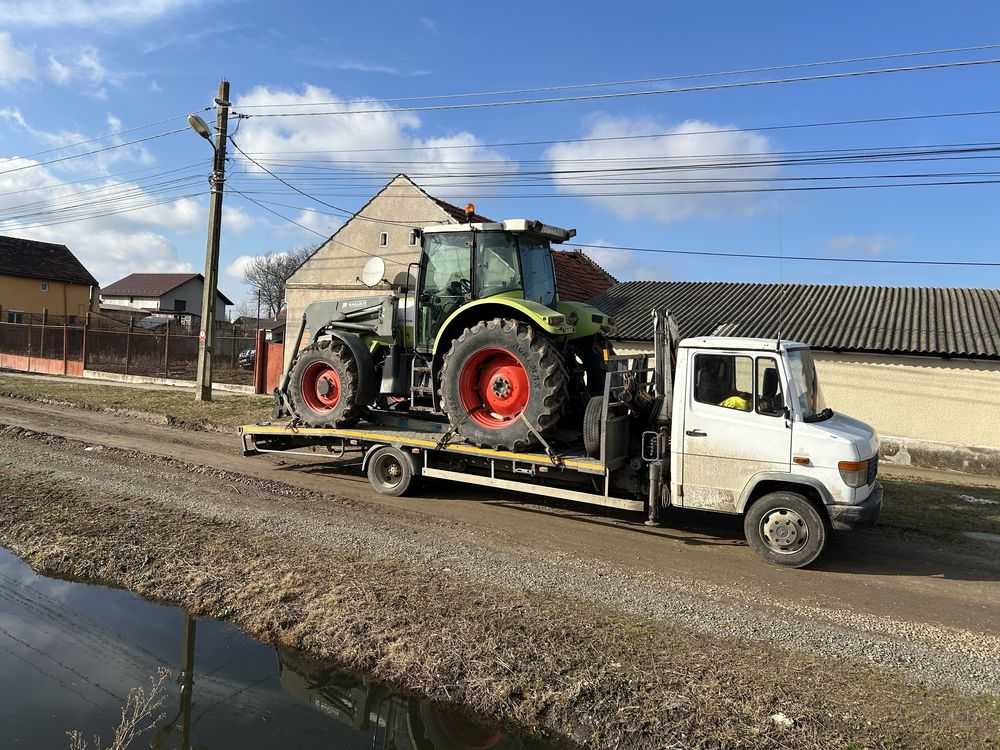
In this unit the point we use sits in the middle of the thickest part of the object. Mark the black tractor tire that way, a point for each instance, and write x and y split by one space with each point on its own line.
533 358
785 529
315 364
592 426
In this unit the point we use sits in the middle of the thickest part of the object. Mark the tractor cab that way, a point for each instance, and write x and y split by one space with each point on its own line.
463 263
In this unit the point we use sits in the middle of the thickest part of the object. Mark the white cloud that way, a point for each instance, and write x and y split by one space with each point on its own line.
235 219
626 265
238 266
872 244
15 64
333 138
88 13
685 145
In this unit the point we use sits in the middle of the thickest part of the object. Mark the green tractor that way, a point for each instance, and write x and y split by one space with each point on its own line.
483 340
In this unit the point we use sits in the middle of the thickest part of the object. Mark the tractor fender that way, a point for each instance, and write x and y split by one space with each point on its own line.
367 380
534 312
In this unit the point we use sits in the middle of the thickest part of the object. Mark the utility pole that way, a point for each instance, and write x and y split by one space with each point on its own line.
203 388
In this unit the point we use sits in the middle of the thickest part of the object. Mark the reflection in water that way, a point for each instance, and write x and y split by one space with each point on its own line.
70 653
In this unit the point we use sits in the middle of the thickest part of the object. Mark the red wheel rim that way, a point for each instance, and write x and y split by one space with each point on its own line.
494 385
320 387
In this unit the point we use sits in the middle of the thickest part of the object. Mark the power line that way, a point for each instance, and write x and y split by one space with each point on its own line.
679 77
626 94
103 214
91 153
101 137
769 256
830 123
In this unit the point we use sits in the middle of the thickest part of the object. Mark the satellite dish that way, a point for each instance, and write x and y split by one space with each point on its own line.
374 272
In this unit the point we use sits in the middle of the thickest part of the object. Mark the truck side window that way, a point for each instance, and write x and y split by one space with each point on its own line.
770 400
724 380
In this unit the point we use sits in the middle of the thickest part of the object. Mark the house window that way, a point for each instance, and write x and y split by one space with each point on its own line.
44 286
383 239
180 305
413 238
15 316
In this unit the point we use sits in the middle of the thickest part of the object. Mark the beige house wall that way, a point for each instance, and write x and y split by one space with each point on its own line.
62 298
952 401
333 270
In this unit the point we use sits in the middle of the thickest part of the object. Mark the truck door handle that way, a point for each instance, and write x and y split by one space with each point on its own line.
696 433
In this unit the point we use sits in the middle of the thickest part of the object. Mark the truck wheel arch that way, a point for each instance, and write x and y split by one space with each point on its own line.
760 485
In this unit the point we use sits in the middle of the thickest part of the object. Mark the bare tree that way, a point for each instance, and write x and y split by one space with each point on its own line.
266 276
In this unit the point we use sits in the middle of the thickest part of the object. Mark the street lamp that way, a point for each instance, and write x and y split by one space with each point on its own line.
206 335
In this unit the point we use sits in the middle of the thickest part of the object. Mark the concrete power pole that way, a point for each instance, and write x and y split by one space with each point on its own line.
203 389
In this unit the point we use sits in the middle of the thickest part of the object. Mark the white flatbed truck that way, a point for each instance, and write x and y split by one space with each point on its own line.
719 424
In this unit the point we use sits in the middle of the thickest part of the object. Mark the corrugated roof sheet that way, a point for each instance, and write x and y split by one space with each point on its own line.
42 260
893 320
578 277
152 285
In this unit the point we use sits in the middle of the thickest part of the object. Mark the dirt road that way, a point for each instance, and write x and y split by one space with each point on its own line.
923 605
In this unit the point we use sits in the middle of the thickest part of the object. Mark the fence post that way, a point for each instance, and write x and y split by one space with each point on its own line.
128 344
260 363
41 339
29 341
166 352
86 334
65 347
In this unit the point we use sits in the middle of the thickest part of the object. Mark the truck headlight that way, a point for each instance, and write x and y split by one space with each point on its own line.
854 473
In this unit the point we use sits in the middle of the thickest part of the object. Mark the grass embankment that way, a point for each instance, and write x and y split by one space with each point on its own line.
592 674
937 507
224 413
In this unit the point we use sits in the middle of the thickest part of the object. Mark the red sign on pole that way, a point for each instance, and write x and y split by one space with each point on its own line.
201 337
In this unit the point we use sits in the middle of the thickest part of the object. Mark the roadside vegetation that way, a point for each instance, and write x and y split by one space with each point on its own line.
572 668
224 413
963 505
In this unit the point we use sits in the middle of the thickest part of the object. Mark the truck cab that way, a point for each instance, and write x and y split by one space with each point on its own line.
751 434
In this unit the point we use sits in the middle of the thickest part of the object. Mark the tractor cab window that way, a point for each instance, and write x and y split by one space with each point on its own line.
497 269
536 267
447 279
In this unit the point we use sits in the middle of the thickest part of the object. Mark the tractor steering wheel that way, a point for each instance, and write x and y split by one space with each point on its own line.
460 287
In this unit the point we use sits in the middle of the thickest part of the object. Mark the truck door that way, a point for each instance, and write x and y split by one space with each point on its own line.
734 427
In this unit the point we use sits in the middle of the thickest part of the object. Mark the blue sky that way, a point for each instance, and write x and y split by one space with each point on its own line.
75 69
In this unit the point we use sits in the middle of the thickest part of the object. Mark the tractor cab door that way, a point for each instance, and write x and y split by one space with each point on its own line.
445 281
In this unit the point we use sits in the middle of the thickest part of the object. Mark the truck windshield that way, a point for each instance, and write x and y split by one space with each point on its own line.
810 398
536 267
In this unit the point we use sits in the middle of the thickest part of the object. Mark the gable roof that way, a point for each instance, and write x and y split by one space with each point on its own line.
42 260
152 285
929 321
578 277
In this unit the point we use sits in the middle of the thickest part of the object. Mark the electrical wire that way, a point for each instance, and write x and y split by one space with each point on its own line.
770 256
636 81
627 94
91 153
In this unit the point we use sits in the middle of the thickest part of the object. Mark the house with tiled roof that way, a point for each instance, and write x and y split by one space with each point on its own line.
921 364
175 296
38 278
386 227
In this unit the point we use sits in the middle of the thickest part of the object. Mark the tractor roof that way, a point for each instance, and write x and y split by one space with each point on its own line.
522 226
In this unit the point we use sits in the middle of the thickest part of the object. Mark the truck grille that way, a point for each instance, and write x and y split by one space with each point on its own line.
872 469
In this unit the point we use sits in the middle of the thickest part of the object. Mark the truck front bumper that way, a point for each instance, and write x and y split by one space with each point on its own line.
860 516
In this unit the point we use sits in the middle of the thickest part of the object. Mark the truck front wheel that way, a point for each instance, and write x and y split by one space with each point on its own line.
785 529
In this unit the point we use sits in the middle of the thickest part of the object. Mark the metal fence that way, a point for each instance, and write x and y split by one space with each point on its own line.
164 350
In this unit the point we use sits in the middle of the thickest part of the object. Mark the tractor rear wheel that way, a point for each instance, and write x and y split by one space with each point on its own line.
324 386
497 372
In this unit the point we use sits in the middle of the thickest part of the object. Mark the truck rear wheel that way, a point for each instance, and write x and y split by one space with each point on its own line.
496 372
390 471
323 387
785 529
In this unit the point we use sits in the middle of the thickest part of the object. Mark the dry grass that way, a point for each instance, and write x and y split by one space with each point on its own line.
224 413
935 507
594 675
140 714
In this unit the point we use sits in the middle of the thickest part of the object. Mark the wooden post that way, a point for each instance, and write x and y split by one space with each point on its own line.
128 344
65 346
86 333
41 339
166 352
260 364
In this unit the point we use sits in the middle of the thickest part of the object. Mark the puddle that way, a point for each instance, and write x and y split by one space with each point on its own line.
71 652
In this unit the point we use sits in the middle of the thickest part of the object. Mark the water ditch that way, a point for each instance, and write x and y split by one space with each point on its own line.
70 652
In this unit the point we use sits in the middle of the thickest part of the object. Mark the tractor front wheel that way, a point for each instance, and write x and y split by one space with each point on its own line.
498 374
324 386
